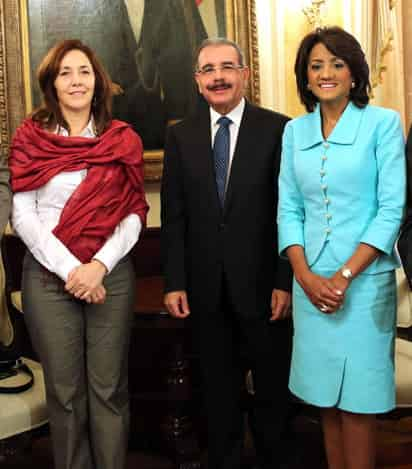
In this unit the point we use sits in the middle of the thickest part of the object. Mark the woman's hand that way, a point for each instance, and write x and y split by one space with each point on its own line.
84 281
326 295
340 282
98 296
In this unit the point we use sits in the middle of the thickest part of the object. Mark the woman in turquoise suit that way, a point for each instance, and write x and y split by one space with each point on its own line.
342 193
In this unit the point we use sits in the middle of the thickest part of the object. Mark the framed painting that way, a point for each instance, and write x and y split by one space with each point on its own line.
147 46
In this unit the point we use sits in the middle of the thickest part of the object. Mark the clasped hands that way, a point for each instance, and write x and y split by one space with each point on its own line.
85 282
327 294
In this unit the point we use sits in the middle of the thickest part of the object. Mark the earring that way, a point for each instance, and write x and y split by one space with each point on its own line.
308 86
353 85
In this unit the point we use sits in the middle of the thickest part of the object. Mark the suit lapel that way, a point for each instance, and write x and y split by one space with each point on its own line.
204 155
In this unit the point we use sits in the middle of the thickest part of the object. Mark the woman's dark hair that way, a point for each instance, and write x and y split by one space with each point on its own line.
343 45
49 114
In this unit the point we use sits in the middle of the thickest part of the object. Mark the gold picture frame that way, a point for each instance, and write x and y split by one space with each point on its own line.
15 89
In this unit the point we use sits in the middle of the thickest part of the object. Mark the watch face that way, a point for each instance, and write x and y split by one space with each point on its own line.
346 273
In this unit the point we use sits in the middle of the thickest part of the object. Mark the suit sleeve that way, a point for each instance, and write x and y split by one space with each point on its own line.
283 274
5 195
291 213
390 158
173 221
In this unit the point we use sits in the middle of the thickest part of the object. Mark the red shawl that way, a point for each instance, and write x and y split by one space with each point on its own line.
112 189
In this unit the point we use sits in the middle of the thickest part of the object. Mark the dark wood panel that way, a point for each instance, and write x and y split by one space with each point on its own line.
146 254
164 392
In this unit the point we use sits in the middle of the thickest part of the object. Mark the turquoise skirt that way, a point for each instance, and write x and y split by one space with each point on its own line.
346 359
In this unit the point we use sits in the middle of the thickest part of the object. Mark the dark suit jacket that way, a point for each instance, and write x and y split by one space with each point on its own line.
409 169
405 239
200 241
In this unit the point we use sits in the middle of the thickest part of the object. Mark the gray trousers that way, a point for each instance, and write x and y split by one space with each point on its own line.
84 352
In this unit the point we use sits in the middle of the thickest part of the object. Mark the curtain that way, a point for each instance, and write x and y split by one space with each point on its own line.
384 47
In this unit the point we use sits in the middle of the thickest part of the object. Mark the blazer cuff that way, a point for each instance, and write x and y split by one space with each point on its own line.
380 244
284 275
290 237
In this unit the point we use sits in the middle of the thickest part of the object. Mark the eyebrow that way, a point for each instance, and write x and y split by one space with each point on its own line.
66 67
225 62
332 59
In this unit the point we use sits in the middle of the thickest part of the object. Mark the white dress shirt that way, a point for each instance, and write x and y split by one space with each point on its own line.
36 213
235 115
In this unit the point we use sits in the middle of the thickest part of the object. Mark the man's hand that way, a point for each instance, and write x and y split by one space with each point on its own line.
280 304
84 280
176 304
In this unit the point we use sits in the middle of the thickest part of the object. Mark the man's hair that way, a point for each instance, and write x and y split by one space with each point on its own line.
219 41
343 45
49 114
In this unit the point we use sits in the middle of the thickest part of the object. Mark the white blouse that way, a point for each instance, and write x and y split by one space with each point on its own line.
36 213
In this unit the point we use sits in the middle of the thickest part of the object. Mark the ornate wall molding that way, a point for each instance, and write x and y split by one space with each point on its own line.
313 13
4 119
12 99
241 25
254 52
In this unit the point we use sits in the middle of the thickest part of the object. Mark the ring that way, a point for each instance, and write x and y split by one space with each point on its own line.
323 308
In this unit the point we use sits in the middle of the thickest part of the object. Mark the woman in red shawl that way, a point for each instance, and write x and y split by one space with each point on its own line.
79 206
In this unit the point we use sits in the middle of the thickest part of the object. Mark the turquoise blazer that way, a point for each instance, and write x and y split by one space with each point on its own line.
347 189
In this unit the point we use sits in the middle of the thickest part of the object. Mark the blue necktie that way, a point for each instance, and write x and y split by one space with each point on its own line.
221 148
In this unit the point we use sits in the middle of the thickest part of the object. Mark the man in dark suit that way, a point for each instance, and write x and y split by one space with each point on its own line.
219 245
405 239
408 151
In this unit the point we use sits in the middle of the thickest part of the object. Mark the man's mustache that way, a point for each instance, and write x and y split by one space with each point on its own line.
218 86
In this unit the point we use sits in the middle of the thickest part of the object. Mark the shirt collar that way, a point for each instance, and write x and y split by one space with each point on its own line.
88 131
235 115
344 133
